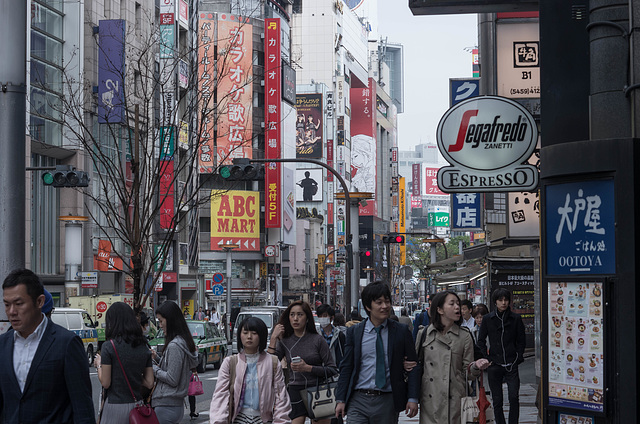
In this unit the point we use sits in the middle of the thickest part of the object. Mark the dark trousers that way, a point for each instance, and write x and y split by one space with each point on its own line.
368 409
498 374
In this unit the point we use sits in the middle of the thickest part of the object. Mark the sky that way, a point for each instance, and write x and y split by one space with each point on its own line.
434 51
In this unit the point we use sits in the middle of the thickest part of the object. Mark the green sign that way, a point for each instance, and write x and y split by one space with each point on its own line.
438 219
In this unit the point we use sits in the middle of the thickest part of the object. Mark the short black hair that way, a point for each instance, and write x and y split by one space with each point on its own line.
325 309
438 302
257 325
374 291
339 320
32 282
499 294
466 303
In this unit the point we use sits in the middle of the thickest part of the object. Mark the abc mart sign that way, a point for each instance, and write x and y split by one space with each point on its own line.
488 140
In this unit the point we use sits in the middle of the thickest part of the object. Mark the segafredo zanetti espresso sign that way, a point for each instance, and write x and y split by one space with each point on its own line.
488 141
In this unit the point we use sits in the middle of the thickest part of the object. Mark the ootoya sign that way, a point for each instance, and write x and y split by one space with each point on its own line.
488 141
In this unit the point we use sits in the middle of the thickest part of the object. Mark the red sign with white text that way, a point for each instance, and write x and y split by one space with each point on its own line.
273 111
167 203
431 186
363 144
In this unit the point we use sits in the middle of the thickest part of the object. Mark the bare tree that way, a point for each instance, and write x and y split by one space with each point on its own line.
146 186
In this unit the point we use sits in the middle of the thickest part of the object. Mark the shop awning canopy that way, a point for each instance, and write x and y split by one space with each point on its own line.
461 276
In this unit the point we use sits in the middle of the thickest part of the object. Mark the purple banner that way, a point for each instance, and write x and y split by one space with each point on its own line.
111 72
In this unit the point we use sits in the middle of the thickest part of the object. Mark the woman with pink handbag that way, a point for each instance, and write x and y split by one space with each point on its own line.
126 349
250 387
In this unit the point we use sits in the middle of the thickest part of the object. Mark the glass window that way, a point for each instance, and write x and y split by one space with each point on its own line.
44 47
297 6
196 329
75 322
46 19
59 319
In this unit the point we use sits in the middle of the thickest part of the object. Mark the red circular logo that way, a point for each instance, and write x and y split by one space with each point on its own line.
101 307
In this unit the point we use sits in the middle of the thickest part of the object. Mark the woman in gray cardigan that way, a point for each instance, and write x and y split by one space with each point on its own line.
174 370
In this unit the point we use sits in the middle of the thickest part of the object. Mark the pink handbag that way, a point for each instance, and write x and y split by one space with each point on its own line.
195 385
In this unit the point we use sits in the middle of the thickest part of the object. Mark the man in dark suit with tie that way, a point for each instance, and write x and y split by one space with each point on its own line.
372 387
44 372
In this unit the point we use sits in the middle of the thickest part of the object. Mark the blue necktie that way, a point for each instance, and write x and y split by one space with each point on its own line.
381 378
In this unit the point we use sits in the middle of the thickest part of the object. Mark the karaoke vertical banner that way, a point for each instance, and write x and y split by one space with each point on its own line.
273 105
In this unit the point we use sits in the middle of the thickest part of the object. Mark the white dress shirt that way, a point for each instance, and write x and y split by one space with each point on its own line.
24 349
469 323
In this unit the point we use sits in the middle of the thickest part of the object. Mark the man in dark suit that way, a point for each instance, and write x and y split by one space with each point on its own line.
372 387
44 372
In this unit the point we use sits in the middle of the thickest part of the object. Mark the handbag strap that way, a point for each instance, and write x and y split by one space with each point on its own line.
123 371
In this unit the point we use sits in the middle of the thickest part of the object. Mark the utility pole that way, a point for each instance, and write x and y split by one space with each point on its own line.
13 107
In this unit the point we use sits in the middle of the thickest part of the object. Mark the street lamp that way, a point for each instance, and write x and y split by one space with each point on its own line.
228 248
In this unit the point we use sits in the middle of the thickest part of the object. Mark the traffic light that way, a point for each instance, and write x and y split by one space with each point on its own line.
366 258
393 238
241 170
65 176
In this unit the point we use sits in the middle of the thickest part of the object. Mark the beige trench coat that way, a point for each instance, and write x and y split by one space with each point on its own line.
443 379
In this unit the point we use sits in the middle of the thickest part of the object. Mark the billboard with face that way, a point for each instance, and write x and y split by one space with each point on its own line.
309 126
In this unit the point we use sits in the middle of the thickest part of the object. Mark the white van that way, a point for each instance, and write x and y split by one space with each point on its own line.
78 321
269 314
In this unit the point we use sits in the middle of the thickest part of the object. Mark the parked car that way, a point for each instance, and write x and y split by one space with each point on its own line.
79 321
210 342
269 314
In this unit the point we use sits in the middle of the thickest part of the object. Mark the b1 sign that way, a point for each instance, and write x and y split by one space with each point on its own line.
488 139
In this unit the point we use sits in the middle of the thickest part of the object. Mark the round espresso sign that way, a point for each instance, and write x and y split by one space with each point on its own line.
487 133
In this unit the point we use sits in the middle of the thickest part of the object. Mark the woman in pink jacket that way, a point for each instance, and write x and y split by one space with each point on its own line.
250 387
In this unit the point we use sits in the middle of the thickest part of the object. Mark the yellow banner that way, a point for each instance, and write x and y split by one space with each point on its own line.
235 219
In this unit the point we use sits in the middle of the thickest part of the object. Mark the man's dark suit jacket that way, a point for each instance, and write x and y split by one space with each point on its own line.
58 387
400 344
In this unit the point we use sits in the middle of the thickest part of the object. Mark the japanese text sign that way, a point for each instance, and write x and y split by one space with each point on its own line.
467 214
580 225
431 185
273 112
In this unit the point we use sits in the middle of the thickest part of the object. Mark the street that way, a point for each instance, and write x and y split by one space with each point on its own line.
528 387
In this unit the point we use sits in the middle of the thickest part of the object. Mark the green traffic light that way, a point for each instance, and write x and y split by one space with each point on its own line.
225 172
47 178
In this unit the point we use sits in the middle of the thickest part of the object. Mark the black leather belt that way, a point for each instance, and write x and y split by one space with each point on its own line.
370 392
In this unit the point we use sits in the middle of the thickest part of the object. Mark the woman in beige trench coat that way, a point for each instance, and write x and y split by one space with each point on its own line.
446 350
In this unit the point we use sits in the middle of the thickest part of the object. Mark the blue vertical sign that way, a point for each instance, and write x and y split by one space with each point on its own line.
466 212
462 89
111 71
580 228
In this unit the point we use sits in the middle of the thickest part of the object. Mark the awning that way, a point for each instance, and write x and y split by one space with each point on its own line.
461 276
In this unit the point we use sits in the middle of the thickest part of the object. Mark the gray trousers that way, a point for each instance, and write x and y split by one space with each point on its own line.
368 409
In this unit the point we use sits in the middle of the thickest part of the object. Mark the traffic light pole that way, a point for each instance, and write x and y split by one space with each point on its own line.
348 278
13 106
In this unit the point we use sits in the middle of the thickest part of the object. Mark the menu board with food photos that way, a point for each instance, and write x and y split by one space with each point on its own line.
576 345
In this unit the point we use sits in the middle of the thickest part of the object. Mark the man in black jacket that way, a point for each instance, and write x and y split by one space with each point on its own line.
506 351
372 388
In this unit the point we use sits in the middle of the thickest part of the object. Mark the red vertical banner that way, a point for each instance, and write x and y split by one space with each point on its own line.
235 88
363 144
273 112
330 159
166 194
415 179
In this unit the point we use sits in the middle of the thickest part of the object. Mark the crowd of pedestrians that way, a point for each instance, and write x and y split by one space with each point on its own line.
373 368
